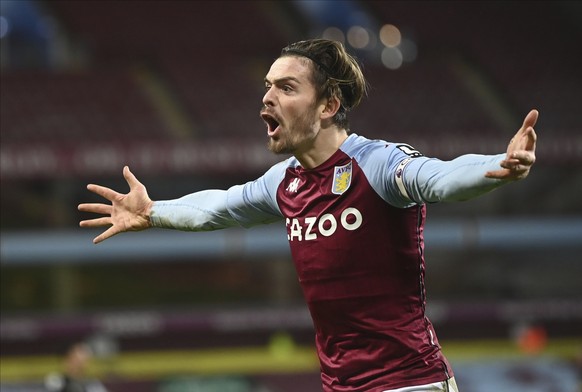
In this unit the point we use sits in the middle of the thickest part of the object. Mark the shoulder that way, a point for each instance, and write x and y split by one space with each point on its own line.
276 173
373 151
267 184
383 163
356 144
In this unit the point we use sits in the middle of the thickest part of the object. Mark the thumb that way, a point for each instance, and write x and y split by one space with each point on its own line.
531 119
132 181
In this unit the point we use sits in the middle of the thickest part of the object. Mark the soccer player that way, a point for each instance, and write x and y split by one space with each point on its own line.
73 377
354 209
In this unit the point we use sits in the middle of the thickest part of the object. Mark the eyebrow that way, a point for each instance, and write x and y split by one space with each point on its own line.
283 79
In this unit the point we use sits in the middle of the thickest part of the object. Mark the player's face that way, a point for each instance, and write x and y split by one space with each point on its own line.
77 360
290 106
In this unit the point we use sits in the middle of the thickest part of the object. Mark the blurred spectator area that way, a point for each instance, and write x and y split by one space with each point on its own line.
77 107
146 70
522 54
173 88
194 70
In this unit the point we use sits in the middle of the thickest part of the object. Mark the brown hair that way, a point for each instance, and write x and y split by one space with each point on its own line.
336 73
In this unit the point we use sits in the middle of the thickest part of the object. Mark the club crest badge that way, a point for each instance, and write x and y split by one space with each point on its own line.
342 179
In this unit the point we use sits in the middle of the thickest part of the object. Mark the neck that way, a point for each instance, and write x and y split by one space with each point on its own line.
323 146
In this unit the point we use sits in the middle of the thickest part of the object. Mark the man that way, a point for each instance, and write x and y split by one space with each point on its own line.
73 377
354 210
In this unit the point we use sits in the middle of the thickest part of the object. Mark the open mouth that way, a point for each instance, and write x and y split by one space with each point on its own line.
272 123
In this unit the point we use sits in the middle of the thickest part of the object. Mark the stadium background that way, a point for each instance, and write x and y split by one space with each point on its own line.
173 89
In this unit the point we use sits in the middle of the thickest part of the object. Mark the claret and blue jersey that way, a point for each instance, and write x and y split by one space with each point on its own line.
355 230
360 263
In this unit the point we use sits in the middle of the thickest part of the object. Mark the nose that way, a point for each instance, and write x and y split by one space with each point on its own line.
268 98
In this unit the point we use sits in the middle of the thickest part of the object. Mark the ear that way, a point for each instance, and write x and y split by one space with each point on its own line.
332 105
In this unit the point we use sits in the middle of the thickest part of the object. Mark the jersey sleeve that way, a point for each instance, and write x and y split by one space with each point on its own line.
430 180
256 201
403 177
244 205
383 164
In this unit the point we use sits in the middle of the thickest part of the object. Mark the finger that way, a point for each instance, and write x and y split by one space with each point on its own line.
97 208
498 174
531 119
532 138
507 174
132 180
521 158
102 191
105 235
516 169
97 222
509 163
513 164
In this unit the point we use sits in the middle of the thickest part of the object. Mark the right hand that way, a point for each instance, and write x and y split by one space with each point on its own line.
521 152
129 212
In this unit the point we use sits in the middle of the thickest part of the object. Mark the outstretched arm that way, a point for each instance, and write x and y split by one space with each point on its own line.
127 212
470 175
521 151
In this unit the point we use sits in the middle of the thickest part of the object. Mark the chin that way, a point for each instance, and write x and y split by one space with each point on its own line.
279 147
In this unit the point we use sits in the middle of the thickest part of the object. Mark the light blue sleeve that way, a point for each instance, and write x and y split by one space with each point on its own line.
241 205
430 180
404 177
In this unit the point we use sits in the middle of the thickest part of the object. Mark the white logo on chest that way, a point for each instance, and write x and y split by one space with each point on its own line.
303 229
293 186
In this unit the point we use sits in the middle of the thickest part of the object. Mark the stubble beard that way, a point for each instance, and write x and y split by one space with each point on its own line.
280 147
291 138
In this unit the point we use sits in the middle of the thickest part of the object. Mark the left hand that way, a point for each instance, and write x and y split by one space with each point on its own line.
520 152
127 212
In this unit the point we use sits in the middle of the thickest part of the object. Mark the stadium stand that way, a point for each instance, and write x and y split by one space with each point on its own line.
526 54
77 107
215 73
213 80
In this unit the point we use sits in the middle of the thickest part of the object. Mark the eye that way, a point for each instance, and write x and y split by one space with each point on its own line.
287 88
